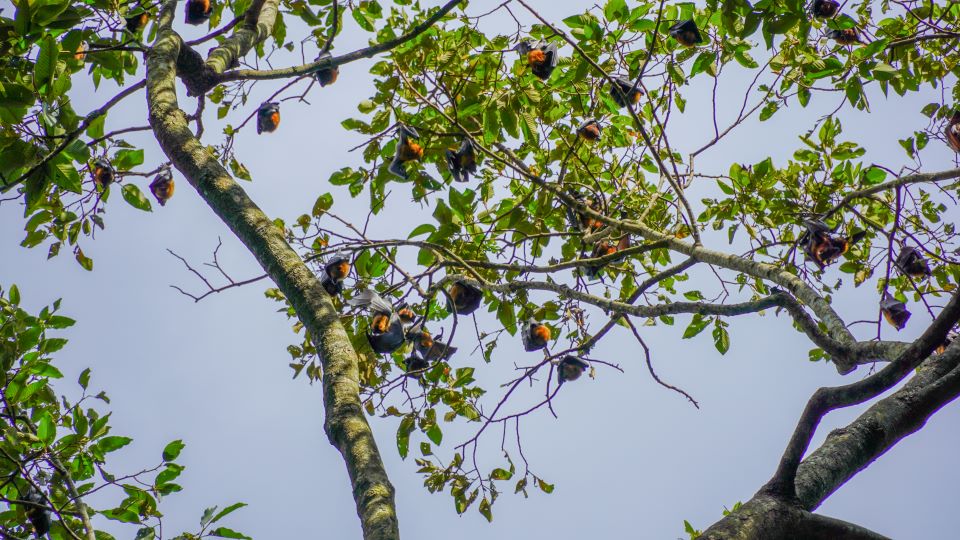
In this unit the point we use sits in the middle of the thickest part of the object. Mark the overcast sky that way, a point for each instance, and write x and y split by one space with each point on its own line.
629 458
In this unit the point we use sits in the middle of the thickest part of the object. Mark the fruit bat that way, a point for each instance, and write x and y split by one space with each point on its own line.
623 91
950 338
825 9
39 516
102 172
386 330
822 246
407 150
687 33
847 36
81 52
415 366
534 335
426 347
894 311
335 270
463 161
580 221
570 368
327 75
952 132
198 11
540 56
912 263
162 186
268 117
407 316
465 298
135 23
602 249
589 130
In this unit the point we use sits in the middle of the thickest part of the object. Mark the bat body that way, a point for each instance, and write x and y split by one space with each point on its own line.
162 186
911 262
951 337
463 161
408 149
198 11
570 368
335 270
686 33
541 57
825 9
386 332
623 91
39 517
327 75
102 173
534 335
894 311
407 316
822 246
590 130
464 298
582 222
268 117
137 21
952 132
603 249
415 366
847 36
426 347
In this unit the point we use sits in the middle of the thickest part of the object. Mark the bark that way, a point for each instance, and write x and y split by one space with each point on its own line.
345 424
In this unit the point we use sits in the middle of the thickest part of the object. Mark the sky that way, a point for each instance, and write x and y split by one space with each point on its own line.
629 459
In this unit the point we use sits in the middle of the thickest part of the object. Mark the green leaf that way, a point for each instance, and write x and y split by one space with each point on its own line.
172 450
485 510
501 474
544 486
695 327
434 434
403 435
84 379
323 203
424 228
223 532
112 443
721 339
124 160
46 67
14 295
46 429
133 195
227 510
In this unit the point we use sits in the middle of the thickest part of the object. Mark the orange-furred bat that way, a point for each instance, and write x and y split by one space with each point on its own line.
580 221
686 33
624 92
824 9
408 149
81 52
950 338
268 117
590 130
604 248
847 36
427 347
541 57
464 296
39 516
894 311
463 161
198 11
952 132
822 246
570 368
327 75
415 366
386 332
535 335
407 316
137 21
335 270
911 262
162 186
102 172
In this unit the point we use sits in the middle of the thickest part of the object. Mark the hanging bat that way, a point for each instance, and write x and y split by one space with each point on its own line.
590 130
38 515
580 221
911 262
136 22
570 368
686 33
464 296
407 316
335 270
81 52
268 117
822 246
541 57
386 330
407 150
952 132
162 186
603 249
415 366
102 172
623 91
950 338
825 9
463 161
847 36
535 335
426 347
198 11
894 311
327 75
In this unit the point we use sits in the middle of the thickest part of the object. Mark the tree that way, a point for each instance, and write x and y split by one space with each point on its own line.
563 223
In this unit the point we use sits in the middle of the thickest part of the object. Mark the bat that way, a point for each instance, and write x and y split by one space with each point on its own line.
541 57
535 335
407 316
426 347
39 516
686 33
463 161
415 366
162 186
102 172
847 36
580 221
570 368
825 9
822 246
603 249
952 132
386 332
137 22
268 117
624 92
328 75
407 150
81 52
198 11
465 297
335 270
912 263
894 311
589 130
950 338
